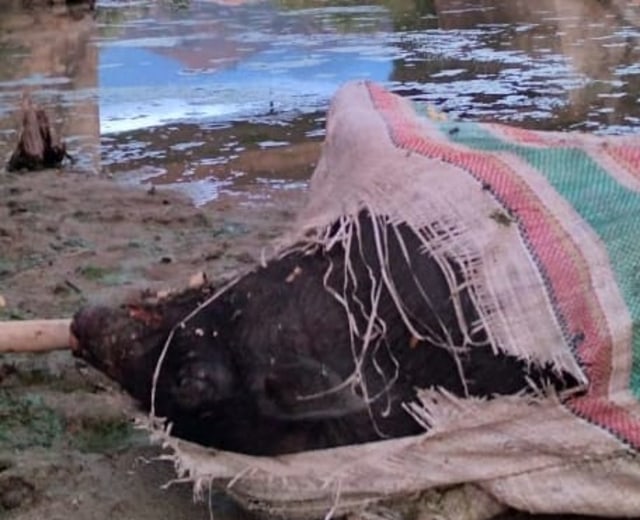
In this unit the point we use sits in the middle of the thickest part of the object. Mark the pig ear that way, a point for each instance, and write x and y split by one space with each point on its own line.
304 389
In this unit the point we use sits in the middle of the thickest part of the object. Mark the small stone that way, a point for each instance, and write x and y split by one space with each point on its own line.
197 280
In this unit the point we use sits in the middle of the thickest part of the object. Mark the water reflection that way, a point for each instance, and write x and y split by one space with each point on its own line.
579 54
229 96
215 63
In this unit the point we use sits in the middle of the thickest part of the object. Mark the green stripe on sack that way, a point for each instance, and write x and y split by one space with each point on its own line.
612 210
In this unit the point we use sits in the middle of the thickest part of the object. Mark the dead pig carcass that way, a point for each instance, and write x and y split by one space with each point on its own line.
275 364
445 313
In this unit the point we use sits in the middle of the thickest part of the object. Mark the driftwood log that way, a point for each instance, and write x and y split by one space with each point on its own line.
38 146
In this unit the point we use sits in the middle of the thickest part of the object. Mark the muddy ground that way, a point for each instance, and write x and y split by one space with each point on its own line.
67 447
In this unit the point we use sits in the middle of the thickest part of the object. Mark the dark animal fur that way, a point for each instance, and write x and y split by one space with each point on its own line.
235 374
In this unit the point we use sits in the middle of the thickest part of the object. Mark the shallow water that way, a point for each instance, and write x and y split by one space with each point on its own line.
226 96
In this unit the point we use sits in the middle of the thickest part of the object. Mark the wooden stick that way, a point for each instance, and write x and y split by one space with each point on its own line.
34 335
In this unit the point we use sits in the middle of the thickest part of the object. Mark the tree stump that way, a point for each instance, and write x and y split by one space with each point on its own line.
38 147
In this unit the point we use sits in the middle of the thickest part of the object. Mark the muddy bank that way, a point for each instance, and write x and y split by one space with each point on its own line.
66 238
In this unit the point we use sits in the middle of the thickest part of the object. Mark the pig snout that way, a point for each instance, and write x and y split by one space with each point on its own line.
87 332
115 339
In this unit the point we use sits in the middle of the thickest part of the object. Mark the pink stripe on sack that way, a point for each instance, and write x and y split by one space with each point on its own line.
627 156
518 135
536 138
557 256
